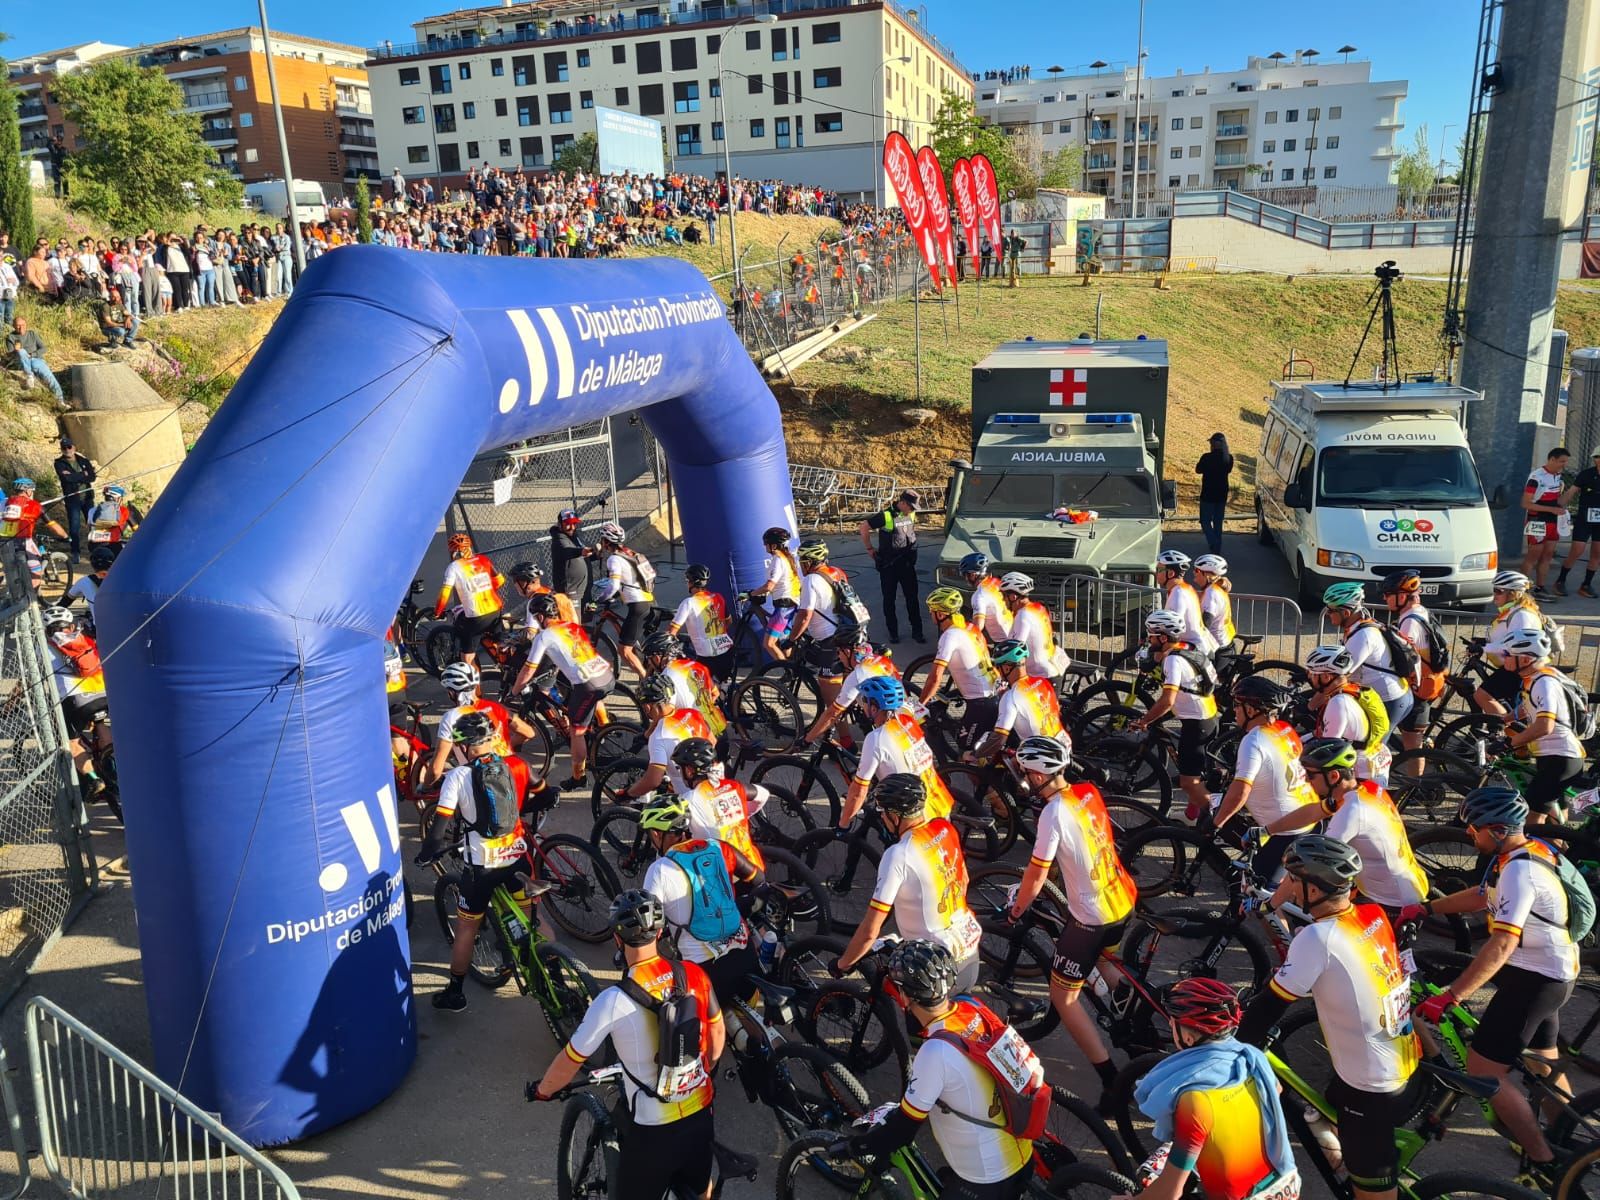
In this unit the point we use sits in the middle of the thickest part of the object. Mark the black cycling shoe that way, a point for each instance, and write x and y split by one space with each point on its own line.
572 783
450 1000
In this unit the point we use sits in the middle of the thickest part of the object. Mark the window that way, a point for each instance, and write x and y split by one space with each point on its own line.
558 106
1311 143
619 55
1307 174
683 58
758 129
1272 117
829 123
827 77
1288 145
409 77
523 72
1069 97
752 40
469 112
560 142
1175 152
780 45
780 88
714 87
1291 115
1177 122
1194 151
585 99
713 44
241 84
1196 122
755 84
688 139
652 100
1330 172
555 67
622 96
500 107
251 154
1199 91
647 57
1049 100
1244 87
1270 147
825 33
1174 181
1333 142
417 154
413 115
247 119
583 58
1313 114
439 79
472 151
685 98
505 147
464 71
1063 126
527 110
1309 83
1192 181
444 118
497 68
781 133
716 131
532 152
1286 175
987 96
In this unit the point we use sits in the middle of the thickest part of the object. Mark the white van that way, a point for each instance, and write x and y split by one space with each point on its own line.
1354 482
271 197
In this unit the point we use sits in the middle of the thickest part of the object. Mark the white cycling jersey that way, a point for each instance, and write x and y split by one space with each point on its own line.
923 879
704 617
1527 901
989 611
1185 601
623 581
569 648
456 795
1180 676
1341 717
1075 834
963 651
816 594
1546 695
1269 761
1367 820
1374 665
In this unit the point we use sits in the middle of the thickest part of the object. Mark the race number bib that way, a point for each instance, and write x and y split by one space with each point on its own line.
10 518
1592 516
1534 531
919 758
1395 1017
676 1084
721 643
1014 1060
592 668
100 535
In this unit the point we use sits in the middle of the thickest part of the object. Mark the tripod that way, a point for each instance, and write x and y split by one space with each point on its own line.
1382 302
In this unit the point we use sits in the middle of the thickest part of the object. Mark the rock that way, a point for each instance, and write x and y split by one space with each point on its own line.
918 416
845 354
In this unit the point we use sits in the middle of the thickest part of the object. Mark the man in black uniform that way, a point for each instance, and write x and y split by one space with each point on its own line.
896 558
75 473
569 559
1585 527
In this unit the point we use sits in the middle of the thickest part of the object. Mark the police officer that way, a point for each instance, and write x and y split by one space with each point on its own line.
896 559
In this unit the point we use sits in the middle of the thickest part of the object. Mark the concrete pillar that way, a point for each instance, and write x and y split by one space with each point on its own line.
124 426
1516 245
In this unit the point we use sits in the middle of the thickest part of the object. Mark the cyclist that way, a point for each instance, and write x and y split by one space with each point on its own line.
694 877
528 579
1075 836
1548 711
895 744
1544 499
463 685
825 598
692 684
588 677
81 684
1031 625
113 519
1342 709
1216 603
1346 961
668 1142
922 879
1267 776
719 808
669 725
784 572
18 518
628 578
86 589
497 847
1402 595
569 559
1029 707
1515 610
1529 956
1370 653
857 657
703 615
1187 683
989 612
1181 598
1216 1101
963 655
948 1089
1361 814
476 583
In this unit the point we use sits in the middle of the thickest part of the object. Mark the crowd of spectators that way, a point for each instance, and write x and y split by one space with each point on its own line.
1009 75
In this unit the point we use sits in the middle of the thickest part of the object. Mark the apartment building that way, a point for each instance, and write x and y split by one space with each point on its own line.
809 94
1280 122
327 111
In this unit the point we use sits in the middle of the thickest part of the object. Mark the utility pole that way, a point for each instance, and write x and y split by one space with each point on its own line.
1138 96
283 145
1310 179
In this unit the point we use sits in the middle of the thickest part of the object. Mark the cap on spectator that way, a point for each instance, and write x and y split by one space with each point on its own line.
910 497
1595 453
66 443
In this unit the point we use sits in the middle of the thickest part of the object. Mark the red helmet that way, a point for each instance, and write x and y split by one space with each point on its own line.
460 543
1207 1005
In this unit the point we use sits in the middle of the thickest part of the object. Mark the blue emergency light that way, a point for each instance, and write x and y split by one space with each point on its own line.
1016 419
1108 419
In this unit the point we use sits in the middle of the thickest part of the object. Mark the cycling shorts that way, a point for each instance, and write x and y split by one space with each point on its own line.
1523 1014
730 974
1418 718
470 629
1367 1121
1505 686
633 623
979 719
1078 949
478 885
80 712
1192 739
720 665
823 657
1547 790
677 1155
581 703
953 1187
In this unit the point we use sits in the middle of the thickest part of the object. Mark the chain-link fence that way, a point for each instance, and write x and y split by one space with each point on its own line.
46 868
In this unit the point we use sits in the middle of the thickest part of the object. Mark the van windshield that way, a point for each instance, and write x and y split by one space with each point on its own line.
312 199
1016 494
1402 476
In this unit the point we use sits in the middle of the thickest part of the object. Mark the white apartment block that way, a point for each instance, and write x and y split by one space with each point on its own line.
809 95
1277 123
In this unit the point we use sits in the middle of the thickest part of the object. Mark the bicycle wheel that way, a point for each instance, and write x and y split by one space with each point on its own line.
1017 983
992 818
611 782
440 649
1429 785
808 784
491 959
782 820
1287 675
1580 1178
800 906
988 890
626 850
806 1172
847 866
1301 1044
615 740
539 749
1464 736
800 683
1452 863
1176 861
1462 1185
762 709
1084 1181
1133 1127
813 1090
622 704
855 1026
571 990
1076 1133
584 886
587 1149
1192 943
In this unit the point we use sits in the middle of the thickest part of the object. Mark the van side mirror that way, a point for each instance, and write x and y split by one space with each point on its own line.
952 498
1292 497
1498 499
1169 496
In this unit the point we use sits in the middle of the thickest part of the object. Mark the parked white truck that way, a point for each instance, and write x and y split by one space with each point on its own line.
271 198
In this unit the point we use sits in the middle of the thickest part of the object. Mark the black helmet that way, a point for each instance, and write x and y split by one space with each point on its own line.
1495 804
637 918
102 556
776 536
924 970
1260 692
695 752
697 575
1327 862
655 689
850 633
473 727
542 605
525 572
1328 754
901 793
1406 583
662 645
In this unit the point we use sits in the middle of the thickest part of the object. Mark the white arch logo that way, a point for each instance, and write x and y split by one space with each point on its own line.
538 367
364 833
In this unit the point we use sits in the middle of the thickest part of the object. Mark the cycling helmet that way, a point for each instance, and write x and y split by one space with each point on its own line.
1211 564
1333 660
662 644
1346 594
1533 642
567 516
1174 560
115 491
655 689
1016 581
23 484
974 564
923 970
885 691
460 677
1045 755
1403 583
1328 754
459 543
1327 862
1495 805
813 552
1009 652
101 557
1207 1005
525 572
1511 581
56 617
542 606
665 813
1165 623
776 536
944 600
612 532
849 635
697 575
901 793
470 728
1260 692
637 918
695 752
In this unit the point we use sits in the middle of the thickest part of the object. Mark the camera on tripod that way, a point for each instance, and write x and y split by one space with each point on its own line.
1387 272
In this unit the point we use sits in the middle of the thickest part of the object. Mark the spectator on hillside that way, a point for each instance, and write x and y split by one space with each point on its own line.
1214 467
27 347
9 286
36 271
116 321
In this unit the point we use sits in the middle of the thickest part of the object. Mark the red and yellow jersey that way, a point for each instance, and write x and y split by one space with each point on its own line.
923 879
694 688
965 655
1031 626
1216 608
497 714
394 667
568 647
871 665
476 585
75 666
704 617
1220 1135
900 746
1366 818
1075 834
989 611
678 725
721 810
1030 708
1269 761
19 516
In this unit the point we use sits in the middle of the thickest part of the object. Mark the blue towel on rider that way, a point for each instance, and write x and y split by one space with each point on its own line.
1211 1065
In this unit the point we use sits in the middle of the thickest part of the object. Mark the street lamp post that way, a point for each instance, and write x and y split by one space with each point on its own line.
727 138
283 144
1138 97
880 130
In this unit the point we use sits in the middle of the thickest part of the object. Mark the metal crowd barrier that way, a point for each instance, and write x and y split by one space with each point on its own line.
1274 619
107 1126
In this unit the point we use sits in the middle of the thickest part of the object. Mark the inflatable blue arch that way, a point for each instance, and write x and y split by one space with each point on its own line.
248 616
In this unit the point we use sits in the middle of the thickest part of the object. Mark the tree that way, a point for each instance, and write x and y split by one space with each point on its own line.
578 155
1463 172
1062 168
1414 173
363 210
958 132
142 158
16 195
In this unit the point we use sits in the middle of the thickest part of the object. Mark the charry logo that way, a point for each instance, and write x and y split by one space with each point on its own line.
1405 529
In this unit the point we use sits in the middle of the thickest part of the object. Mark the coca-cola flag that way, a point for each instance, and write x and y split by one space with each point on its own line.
900 164
988 189
938 208
966 201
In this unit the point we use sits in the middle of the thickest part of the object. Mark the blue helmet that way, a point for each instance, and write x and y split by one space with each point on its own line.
975 564
885 691
23 483
1495 804
116 492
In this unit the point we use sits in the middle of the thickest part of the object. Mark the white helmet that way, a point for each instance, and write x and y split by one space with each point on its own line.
1016 581
1164 622
56 617
1532 642
1211 564
459 677
612 532
1175 560
1046 755
1331 660
1511 581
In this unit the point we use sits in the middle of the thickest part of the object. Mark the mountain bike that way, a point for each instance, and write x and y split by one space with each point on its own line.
411 626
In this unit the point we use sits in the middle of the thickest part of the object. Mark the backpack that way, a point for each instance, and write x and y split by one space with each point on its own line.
1377 718
1403 657
847 599
1205 674
1582 718
642 569
1558 639
679 1069
1580 900
106 515
1436 663
495 791
714 916
1000 1052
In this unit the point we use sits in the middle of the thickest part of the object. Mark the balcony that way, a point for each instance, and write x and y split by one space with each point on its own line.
1389 123
218 134
361 107
1386 152
358 139
32 110
1101 133
1230 160
1099 162
1232 131
211 98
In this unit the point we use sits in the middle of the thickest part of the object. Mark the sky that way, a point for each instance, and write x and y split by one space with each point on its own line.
1428 42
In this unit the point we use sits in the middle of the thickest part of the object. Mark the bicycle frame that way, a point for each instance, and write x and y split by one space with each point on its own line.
532 978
